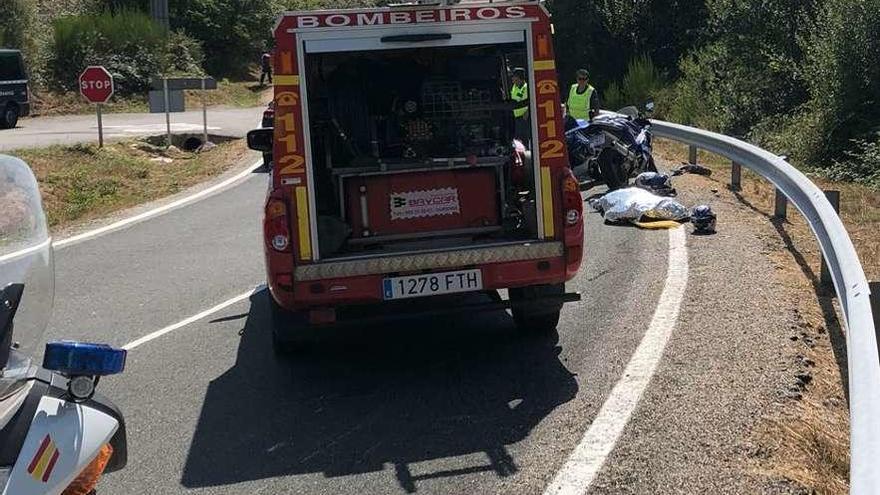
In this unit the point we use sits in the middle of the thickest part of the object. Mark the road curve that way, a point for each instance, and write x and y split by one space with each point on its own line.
71 129
454 405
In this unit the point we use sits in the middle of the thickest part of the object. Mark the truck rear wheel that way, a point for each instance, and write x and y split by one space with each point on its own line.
291 333
10 117
531 314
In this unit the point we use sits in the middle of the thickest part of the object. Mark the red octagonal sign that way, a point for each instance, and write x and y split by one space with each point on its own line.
96 84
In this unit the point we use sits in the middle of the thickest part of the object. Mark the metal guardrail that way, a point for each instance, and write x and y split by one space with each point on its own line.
846 272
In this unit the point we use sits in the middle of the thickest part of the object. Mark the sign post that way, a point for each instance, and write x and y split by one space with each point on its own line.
96 86
204 114
167 96
167 111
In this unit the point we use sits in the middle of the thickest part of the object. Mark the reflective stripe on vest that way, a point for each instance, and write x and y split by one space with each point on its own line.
517 95
579 104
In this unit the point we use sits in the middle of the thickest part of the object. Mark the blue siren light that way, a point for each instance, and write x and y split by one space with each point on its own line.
80 358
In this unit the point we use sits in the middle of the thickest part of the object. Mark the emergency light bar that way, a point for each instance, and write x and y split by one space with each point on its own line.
82 359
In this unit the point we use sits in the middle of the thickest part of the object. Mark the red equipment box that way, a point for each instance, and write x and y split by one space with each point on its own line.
421 202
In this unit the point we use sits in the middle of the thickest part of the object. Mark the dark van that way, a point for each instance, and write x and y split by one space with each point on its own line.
14 94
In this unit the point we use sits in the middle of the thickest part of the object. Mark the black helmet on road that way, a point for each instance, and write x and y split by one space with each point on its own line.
704 220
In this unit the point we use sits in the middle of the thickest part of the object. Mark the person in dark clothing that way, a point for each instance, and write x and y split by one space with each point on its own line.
266 65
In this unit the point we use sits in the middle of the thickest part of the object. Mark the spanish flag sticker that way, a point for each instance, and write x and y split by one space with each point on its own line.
44 460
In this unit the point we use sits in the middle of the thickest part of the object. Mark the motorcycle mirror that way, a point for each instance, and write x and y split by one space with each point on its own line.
261 139
649 106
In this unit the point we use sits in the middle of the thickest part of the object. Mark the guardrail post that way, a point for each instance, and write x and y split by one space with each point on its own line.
736 171
875 308
692 155
834 199
781 210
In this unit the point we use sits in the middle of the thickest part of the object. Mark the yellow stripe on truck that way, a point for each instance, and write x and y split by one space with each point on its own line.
302 223
281 80
547 201
545 64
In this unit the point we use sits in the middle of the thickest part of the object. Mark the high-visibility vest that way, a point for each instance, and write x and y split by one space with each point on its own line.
579 103
518 95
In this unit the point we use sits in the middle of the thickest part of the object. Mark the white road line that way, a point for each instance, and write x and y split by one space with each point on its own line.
192 319
157 211
581 468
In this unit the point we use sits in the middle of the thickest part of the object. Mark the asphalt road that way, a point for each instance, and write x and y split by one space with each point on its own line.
72 129
455 405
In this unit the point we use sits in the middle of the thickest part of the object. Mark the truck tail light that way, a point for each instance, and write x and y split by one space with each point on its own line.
572 202
573 206
277 226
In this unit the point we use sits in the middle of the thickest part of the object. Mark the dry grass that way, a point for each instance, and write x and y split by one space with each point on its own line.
859 205
805 439
83 182
232 94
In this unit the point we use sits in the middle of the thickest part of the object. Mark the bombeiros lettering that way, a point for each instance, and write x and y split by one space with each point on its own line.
410 17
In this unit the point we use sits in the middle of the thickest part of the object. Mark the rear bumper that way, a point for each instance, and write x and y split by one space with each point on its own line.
357 282
431 260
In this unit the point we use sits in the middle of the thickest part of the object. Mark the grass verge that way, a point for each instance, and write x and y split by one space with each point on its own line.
83 182
805 438
232 94
859 204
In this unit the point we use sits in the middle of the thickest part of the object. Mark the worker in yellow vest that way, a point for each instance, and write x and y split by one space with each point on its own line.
519 94
583 99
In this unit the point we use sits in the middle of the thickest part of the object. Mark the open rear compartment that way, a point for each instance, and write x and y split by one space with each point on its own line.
412 148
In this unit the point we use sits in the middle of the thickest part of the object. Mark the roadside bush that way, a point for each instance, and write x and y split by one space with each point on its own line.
17 22
182 55
859 164
842 71
746 67
131 46
233 32
642 82
128 44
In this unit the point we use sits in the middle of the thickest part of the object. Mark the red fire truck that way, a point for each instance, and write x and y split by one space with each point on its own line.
398 178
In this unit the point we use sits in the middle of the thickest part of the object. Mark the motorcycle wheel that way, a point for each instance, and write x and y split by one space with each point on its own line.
612 169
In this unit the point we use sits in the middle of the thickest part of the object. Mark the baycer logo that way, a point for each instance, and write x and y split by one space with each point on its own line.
420 204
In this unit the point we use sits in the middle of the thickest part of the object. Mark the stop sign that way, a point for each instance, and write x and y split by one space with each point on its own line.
96 84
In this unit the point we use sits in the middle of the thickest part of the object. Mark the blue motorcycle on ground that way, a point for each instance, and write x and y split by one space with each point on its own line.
611 148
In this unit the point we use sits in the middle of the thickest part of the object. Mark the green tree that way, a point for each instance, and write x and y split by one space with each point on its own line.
746 68
603 36
232 32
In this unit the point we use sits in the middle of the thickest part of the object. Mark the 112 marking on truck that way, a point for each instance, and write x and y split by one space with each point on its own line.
397 186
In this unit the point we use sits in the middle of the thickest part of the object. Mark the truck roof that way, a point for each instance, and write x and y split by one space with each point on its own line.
417 4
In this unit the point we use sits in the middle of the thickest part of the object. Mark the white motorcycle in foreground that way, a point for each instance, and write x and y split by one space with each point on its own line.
56 435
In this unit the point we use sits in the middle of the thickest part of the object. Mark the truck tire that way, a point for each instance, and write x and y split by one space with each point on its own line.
291 333
540 317
10 117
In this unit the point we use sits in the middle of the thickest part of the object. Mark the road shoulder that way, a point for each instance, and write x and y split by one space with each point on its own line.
735 375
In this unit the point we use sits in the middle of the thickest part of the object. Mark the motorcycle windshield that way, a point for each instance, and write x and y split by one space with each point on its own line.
26 260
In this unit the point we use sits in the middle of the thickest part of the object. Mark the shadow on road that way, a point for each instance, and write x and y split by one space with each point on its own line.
386 398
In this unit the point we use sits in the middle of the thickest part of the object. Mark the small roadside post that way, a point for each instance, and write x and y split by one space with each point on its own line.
825 273
167 96
96 86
